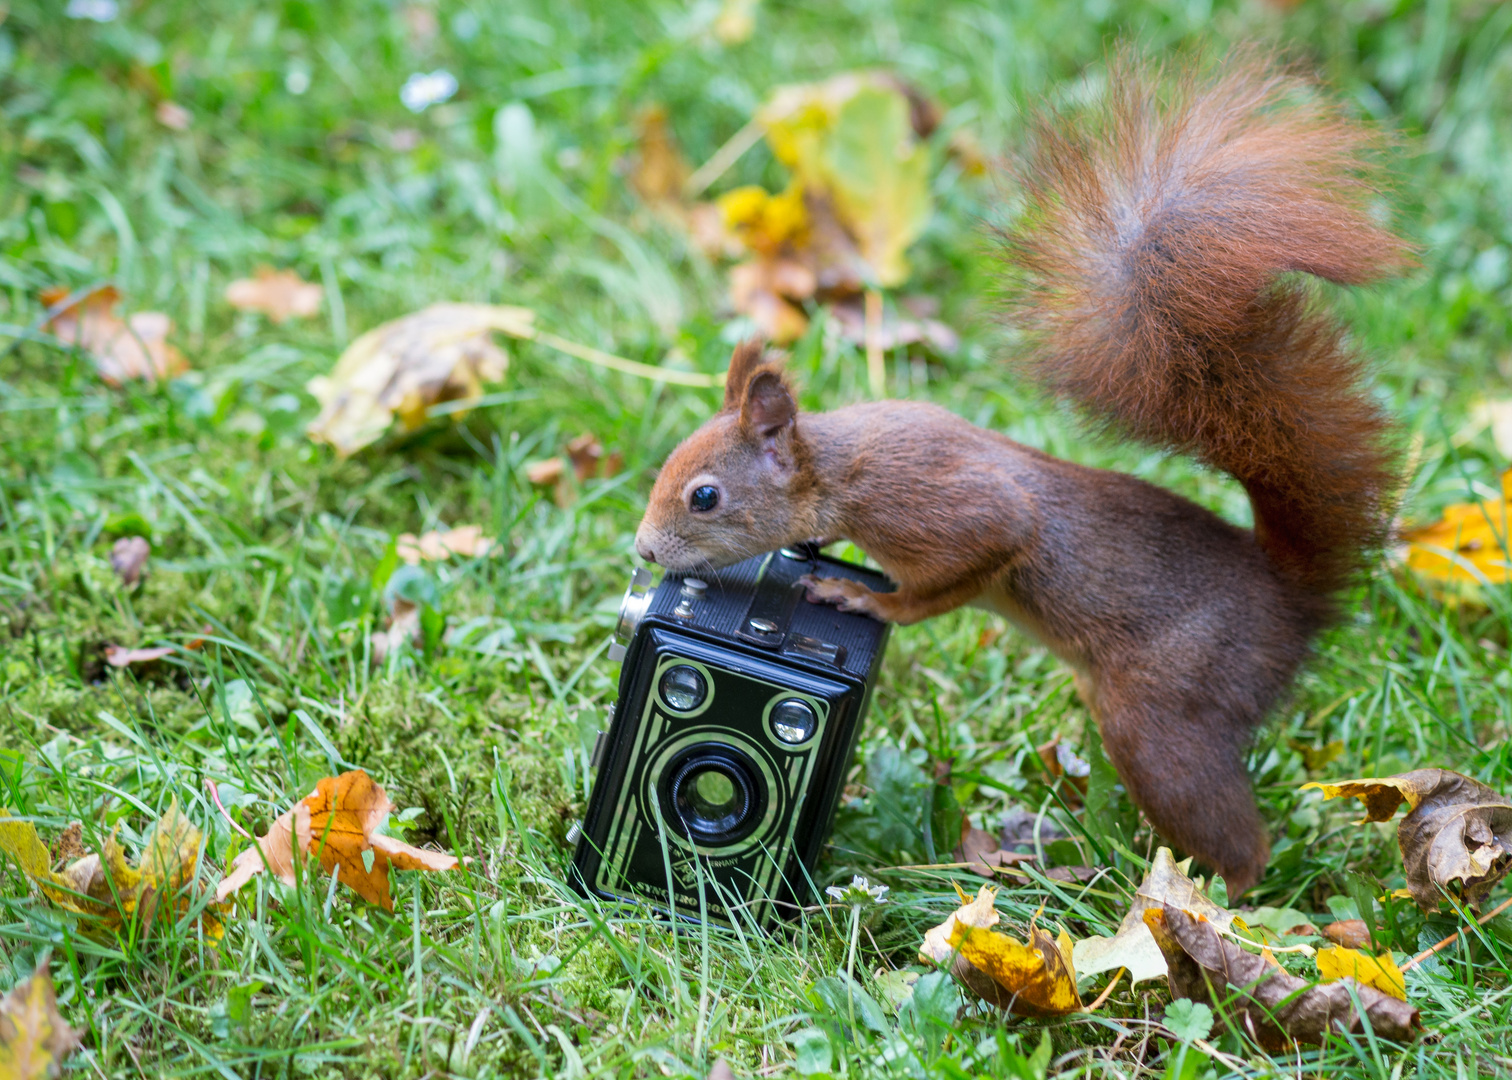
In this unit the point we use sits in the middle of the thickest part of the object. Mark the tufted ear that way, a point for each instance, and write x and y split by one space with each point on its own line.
767 408
743 363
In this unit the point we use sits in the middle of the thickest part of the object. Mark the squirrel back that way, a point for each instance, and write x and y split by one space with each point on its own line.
1158 255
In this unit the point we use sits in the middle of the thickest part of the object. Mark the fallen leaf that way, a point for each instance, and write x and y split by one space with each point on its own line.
736 21
1033 979
1348 933
1263 1001
1458 832
1316 757
1379 972
851 137
982 850
1073 875
465 541
1497 415
337 823
658 169
69 844
105 886
1019 828
278 294
1133 946
759 289
34 1038
119 657
134 349
128 558
1468 544
441 353
894 332
545 473
585 452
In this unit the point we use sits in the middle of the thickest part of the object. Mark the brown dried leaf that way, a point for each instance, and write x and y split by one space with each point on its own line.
1133 946
1259 998
1348 933
69 844
128 557
278 294
119 657
658 170
465 541
981 849
134 349
1457 833
585 452
34 1038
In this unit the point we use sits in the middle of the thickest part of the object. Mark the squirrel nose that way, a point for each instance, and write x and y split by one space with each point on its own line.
643 549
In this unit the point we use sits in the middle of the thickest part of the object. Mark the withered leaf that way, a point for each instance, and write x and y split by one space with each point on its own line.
465 541
1033 979
136 348
1259 998
658 169
981 849
444 352
128 558
104 884
1133 946
337 823
1457 833
117 656
1380 972
34 1038
1348 933
1469 544
278 294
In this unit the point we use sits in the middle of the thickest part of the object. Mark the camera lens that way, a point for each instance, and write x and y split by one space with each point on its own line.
683 688
793 720
714 797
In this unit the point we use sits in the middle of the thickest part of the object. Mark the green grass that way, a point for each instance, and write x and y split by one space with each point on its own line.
501 970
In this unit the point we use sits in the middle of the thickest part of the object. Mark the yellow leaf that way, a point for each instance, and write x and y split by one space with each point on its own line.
1468 544
20 841
762 221
1380 795
440 353
850 141
1033 979
34 1039
1380 972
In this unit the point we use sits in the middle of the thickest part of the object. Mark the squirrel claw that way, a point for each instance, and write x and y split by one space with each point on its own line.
842 593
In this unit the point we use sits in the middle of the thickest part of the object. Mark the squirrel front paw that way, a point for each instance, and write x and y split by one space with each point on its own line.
843 593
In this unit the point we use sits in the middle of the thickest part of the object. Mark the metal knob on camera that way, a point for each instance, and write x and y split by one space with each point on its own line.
633 608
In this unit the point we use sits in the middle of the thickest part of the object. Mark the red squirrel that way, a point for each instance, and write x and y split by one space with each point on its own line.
1156 265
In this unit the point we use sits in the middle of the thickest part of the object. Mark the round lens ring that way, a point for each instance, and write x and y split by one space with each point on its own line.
714 797
683 688
793 721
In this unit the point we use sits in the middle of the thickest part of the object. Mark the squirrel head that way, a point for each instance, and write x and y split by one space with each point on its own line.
743 483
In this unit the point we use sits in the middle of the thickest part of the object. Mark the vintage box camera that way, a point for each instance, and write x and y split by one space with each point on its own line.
739 707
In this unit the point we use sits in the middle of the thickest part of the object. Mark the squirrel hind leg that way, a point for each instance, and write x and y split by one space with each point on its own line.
1185 771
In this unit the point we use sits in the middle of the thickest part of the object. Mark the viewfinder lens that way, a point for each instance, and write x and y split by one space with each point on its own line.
793 721
683 688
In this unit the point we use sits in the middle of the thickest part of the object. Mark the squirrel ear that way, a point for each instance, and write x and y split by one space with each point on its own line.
768 405
745 361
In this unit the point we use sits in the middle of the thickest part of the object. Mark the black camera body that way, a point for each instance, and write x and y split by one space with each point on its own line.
739 708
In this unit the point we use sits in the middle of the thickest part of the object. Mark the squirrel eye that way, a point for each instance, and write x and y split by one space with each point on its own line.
704 498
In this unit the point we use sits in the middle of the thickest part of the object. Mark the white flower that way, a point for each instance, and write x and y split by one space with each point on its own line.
100 11
421 91
859 891
1072 762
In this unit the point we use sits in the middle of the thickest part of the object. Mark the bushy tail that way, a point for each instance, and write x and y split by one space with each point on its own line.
1157 235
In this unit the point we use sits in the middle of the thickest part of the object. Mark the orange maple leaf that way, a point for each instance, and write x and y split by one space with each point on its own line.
337 823
136 348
